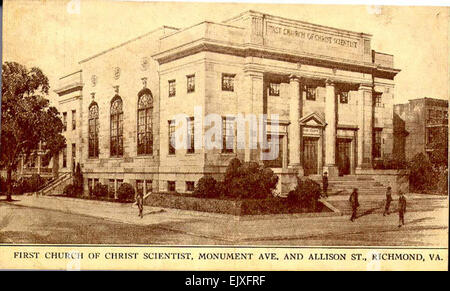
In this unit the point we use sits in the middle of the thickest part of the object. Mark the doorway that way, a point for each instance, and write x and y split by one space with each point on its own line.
310 156
343 156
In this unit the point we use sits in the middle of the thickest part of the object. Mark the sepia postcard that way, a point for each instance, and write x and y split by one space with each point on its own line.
140 135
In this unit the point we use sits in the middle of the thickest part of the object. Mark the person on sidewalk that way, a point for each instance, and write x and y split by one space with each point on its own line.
325 184
401 209
354 203
388 201
140 203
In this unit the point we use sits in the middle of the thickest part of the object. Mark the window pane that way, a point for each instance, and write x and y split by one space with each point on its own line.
274 89
227 82
310 93
190 83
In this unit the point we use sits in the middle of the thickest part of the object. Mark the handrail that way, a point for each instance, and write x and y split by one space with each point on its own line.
55 183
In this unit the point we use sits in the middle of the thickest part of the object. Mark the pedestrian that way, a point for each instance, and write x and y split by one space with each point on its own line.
140 203
325 184
354 203
401 209
388 201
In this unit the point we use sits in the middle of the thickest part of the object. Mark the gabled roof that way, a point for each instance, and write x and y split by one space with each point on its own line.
313 119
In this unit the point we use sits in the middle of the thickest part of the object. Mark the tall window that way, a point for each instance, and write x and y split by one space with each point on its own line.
172 88
171 137
190 135
93 130
227 134
74 120
377 100
343 97
64 157
274 89
377 143
228 82
116 145
310 92
65 121
145 124
271 143
190 83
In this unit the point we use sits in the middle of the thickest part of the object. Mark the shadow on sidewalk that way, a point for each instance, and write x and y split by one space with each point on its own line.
367 212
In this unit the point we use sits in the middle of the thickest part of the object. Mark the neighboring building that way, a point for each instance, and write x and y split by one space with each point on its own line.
70 106
417 124
332 92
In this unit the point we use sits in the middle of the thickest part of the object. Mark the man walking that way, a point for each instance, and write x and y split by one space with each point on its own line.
354 203
325 184
140 203
401 209
388 201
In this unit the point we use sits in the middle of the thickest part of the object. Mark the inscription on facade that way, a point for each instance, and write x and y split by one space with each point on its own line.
309 36
311 131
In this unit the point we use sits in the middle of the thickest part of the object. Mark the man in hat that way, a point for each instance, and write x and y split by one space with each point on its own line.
401 209
354 203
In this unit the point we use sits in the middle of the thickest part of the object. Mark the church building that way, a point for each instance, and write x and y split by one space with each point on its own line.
333 95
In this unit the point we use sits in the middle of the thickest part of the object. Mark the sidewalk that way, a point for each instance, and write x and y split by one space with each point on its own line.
249 229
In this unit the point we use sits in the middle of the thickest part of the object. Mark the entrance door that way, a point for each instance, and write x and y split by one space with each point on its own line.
343 156
310 155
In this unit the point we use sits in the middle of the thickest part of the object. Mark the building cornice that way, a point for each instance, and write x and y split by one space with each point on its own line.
78 86
248 50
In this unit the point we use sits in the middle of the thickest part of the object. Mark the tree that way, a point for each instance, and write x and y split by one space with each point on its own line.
26 117
439 155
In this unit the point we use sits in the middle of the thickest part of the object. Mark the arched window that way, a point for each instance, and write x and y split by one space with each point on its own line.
116 145
93 130
145 123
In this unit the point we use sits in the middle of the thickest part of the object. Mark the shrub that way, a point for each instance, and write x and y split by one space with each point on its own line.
21 186
78 177
443 182
125 192
100 190
232 170
251 180
421 173
306 194
70 191
35 182
206 187
247 180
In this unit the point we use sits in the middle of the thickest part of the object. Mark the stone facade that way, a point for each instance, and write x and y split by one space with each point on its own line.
332 93
416 124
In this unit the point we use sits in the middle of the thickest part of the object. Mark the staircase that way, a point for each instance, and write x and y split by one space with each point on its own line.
371 193
344 185
56 187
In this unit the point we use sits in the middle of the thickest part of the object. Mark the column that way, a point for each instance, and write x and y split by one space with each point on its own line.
252 104
294 127
364 147
330 129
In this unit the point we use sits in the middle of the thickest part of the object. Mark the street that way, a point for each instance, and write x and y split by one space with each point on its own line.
62 220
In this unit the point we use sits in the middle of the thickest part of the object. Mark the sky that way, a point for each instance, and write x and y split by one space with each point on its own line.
54 35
